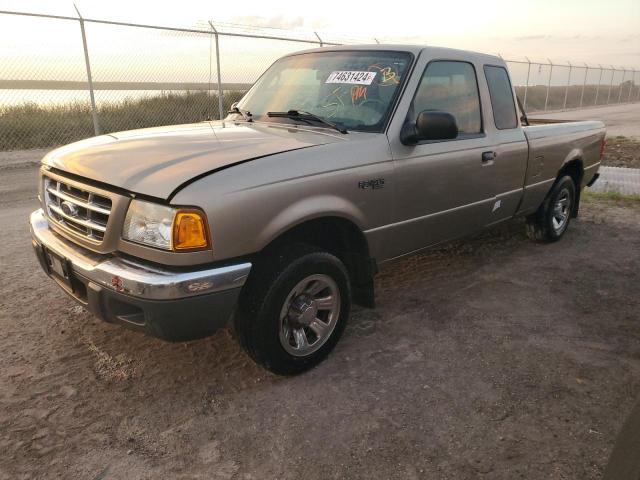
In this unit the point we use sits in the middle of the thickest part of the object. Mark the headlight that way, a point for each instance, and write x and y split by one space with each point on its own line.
164 227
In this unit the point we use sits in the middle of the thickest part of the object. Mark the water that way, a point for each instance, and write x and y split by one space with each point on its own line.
58 97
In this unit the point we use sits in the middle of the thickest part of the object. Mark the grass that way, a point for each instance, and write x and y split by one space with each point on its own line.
621 140
610 196
29 125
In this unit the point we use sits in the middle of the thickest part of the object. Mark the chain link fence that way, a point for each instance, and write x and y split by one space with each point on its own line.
79 76
555 86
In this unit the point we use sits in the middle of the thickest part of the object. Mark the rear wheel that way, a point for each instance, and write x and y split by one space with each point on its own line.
552 219
294 309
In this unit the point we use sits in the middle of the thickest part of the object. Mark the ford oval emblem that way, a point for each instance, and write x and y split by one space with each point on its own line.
70 209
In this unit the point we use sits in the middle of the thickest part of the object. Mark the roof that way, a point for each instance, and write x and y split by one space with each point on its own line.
415 49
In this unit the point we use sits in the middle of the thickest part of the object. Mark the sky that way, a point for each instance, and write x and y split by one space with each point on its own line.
594 31
605 32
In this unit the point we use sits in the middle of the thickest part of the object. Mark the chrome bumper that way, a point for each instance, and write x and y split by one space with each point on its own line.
135 278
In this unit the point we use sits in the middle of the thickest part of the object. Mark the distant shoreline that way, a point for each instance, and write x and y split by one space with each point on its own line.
83 85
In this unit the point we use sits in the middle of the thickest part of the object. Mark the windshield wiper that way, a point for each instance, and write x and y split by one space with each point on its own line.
246 114
306 116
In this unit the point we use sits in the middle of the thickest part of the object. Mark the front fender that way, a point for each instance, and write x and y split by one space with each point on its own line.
251 204
310 208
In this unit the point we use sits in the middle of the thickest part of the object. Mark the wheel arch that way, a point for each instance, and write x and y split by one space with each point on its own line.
340 236
574 167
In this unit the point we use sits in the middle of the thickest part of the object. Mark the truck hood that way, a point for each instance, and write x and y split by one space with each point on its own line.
157 161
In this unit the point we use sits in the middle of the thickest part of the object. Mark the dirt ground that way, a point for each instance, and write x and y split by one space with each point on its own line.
622 152
489 358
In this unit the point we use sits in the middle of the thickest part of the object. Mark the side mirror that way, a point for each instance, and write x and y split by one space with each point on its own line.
430 125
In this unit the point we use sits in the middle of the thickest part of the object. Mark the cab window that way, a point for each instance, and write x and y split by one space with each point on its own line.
452 87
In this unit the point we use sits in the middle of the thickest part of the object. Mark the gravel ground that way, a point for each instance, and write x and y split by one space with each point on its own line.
618 181
490 358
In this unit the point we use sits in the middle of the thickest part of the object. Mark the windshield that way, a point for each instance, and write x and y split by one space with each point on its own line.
354 89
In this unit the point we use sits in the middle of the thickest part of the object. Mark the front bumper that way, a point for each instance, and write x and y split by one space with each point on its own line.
173 304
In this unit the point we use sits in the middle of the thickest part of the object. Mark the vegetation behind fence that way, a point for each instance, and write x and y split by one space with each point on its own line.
30 125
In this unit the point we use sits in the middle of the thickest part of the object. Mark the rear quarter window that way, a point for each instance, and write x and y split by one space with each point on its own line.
504 109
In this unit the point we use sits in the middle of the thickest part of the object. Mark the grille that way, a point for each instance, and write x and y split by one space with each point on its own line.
81 211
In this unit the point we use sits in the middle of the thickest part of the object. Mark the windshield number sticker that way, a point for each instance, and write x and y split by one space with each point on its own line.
351 77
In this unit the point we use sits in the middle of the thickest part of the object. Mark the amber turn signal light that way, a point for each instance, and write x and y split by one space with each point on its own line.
190 231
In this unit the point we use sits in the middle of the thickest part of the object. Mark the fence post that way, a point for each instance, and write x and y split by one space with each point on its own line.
526 85
94 111
566 90
546 99
220 93
584 83
613 74
633 81
598 87
624 74
319 39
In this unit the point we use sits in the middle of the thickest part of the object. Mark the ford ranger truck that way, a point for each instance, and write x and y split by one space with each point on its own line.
276 218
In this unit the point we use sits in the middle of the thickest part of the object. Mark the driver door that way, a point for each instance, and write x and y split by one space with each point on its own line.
444 189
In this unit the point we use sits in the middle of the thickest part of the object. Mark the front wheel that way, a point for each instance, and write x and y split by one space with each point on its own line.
294 309
552 219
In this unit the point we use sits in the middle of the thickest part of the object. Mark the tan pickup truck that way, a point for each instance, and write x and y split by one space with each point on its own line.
276 218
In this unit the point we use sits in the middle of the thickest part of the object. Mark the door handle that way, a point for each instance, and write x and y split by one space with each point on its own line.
488 157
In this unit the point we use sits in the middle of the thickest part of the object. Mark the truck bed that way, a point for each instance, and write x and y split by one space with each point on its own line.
544 121
552 143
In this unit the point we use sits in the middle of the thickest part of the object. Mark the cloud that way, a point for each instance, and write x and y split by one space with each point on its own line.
533 37
279 21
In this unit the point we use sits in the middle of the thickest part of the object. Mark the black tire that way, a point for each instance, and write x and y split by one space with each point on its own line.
258 322
544 225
